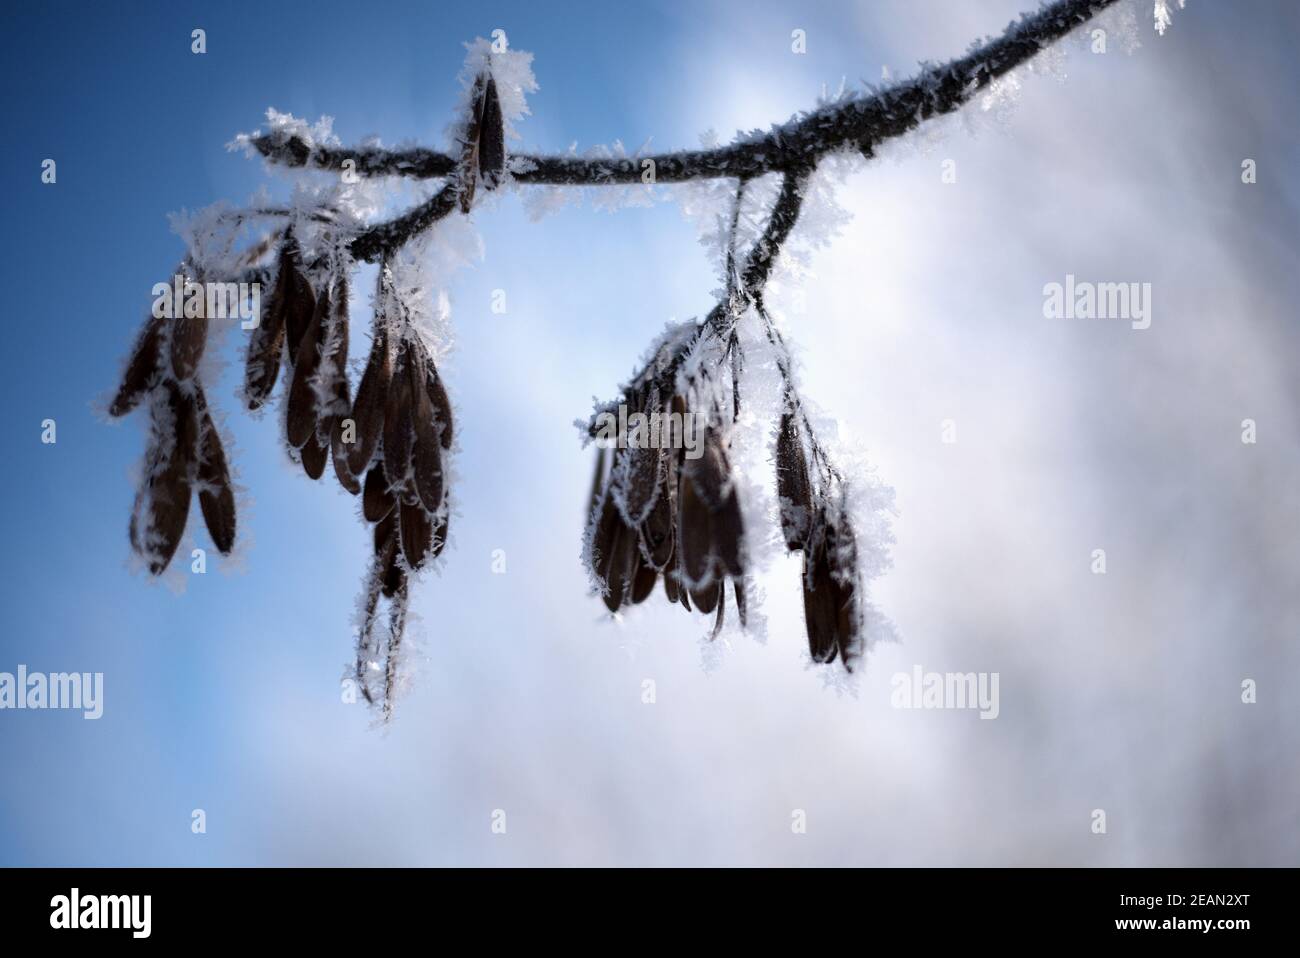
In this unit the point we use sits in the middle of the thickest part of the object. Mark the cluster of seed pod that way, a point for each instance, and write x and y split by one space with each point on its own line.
660 511
404 423
306 328
387 444
815 521
184 454
657 510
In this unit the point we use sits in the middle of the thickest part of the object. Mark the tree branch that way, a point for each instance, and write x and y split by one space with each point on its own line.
378 240
861 122
785 213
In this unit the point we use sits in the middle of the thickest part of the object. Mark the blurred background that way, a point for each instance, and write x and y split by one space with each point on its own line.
1120 692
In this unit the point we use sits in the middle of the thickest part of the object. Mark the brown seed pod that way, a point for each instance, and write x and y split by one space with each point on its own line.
300 307
607 524
338 407
821 612
141 371
426 456
792 484
163 503
441 403
368 407
843 556
603 459
658 532
492 138
615 552
189 336
640 467
303 413
334 353
266 342
399 430
216 495
469 150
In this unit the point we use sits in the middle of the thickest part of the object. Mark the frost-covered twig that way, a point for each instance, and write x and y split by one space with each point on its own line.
376 242
861 122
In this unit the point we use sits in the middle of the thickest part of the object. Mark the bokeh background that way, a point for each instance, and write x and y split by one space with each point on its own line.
1119 692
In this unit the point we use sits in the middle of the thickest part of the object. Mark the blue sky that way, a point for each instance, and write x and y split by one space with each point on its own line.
226 698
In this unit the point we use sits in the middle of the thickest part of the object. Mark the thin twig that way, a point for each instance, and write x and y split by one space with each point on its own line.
860 122
386 237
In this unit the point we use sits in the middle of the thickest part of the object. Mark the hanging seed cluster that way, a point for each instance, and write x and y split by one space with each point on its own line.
387 444
661 512
657 511
815 522
184 455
